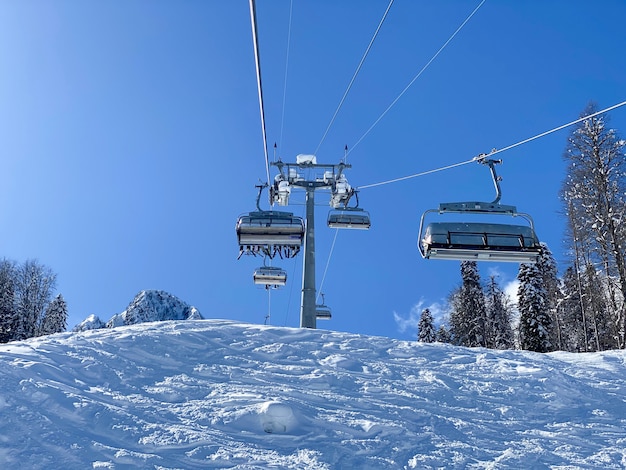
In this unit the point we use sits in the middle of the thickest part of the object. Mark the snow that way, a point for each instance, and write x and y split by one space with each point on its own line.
220 394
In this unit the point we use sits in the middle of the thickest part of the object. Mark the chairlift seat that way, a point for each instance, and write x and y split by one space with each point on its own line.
480 242
349 219
270 228
270 276
322 312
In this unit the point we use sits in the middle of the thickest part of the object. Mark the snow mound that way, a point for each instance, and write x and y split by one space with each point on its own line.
276 417
147 306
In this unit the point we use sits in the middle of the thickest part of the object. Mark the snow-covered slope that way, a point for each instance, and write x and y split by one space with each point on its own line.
147 306
217 394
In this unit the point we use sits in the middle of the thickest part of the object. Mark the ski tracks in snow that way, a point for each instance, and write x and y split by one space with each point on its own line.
218 394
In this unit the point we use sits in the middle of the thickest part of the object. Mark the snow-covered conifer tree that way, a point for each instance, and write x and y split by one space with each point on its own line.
426 328
55 317
443 334
7 301
498 316
535 322
549 273
468 315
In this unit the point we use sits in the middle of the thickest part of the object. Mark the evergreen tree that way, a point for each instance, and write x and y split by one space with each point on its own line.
426 328
7 301
535 322
498 316
443 335
468 316
55 317
547 267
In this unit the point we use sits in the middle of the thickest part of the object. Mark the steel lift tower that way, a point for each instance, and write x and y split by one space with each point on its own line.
306 173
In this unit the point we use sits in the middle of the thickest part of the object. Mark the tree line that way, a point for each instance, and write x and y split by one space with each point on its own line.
27 308
582 310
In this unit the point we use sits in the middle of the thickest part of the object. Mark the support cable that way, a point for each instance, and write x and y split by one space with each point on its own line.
282 119
330 254
418 75
269 307
257 60
356 72
494 152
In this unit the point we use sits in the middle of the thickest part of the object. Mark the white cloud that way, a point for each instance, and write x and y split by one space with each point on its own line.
510 289
411 320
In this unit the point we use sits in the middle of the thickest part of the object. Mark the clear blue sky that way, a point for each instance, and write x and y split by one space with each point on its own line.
131 139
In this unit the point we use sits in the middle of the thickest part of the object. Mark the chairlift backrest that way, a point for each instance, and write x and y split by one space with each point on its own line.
480 242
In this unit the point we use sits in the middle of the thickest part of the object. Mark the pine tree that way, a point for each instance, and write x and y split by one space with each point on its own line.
535 322
426 328
547 267
468 316
443 334
7 301
55 317
498 317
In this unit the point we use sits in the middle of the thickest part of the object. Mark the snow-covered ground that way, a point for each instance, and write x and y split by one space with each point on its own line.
218 394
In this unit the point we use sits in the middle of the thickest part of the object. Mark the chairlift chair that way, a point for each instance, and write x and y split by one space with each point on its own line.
350 218
270 276
268 233
479 241
322 311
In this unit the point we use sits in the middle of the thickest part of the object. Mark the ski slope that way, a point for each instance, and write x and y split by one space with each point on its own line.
219 394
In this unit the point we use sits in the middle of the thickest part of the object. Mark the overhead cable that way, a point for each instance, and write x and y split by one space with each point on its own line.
584 118
282 119
257 60
356 72
418 75
496 151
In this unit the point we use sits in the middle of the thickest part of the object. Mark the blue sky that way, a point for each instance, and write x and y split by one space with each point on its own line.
131 139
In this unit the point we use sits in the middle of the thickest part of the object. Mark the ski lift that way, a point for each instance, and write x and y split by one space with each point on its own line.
322 312
479 241
270 276
349 217
269 233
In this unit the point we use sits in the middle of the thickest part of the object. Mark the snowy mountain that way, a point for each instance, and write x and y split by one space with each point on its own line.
218 394
147 306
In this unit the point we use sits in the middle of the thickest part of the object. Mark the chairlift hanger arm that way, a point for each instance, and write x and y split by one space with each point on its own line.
482 158
261 187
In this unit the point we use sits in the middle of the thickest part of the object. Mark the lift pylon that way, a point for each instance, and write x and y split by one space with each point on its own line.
309 175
